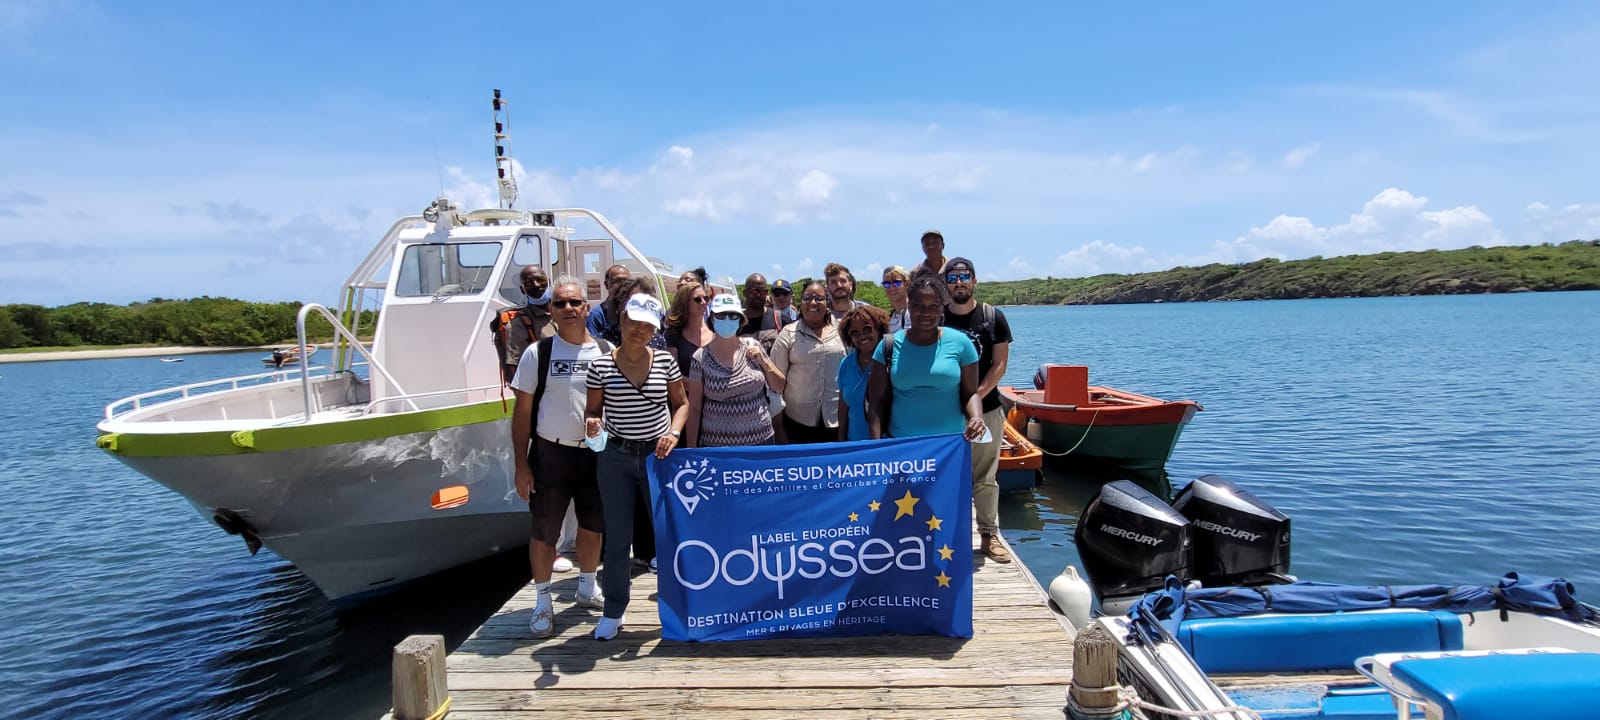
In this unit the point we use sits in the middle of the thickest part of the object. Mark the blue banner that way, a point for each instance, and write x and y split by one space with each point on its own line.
835 539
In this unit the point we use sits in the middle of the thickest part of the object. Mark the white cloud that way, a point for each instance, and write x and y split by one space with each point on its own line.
1542 223
1392 220
1296 158
1099 257
683 154
698 207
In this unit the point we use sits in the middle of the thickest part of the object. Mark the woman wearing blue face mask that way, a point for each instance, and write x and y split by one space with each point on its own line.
727 384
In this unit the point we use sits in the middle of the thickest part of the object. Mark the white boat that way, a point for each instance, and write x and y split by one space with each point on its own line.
172 360
1267 646
389 463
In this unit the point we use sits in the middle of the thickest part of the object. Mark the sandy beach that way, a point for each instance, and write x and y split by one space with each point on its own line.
131 352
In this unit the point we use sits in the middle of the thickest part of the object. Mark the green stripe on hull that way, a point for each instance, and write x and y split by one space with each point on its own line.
292 437
1137 447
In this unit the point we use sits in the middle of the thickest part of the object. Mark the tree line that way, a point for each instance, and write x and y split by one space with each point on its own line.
203 321
1575 265
1571 265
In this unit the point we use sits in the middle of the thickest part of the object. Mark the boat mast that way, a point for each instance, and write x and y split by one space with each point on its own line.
502 160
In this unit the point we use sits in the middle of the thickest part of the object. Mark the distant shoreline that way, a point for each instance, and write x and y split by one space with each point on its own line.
129 352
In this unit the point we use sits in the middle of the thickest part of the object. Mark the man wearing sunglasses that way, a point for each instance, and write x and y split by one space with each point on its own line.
988 329
516 328
554 469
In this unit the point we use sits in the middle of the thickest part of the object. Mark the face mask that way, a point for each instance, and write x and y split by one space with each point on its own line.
596 443
725 327
542 299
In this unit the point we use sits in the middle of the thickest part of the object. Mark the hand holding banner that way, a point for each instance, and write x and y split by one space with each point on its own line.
856 538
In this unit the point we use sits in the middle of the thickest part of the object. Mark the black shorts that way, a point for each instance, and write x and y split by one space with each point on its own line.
565 475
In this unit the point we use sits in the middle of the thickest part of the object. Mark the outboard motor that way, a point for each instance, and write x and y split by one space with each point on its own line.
1041 376
1238 539
1130 541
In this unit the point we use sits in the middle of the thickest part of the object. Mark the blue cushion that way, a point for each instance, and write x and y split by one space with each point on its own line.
1480 687
1298 643
1316 702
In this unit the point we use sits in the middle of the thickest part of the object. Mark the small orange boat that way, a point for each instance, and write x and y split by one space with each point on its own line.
1020 463
1094 423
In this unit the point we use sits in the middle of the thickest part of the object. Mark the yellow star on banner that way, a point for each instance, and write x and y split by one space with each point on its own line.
945 553
944 580
905 505
933 523
854 517
873 506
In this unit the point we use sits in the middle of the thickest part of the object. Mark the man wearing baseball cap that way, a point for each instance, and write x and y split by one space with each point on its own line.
782 312
989 331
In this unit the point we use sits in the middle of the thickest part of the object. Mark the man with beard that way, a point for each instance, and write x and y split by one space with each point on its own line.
988 329
755 304
603 320
841 290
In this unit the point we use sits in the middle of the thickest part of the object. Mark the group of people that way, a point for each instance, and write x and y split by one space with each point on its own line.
599 390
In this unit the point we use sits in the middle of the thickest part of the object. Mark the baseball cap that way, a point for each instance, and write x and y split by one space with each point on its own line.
644 308
725 304
958 264
781 287
934 233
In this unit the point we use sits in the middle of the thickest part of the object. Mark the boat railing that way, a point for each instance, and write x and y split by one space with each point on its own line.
341 331
137 402
373 406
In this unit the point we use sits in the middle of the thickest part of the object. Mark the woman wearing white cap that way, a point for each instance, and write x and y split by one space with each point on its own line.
638 392
727 384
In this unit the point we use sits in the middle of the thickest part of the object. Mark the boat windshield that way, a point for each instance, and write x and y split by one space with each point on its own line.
441 269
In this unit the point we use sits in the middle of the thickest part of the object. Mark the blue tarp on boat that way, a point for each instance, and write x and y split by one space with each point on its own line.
1160 612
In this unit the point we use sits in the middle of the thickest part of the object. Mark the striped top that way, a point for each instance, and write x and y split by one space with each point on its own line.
631 412
733 411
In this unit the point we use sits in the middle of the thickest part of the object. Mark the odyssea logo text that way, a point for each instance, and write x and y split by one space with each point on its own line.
807 554
694 482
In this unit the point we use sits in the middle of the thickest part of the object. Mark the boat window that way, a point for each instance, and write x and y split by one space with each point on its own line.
528 251
446 269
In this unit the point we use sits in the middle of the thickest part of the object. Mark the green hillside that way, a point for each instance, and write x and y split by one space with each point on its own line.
1569 266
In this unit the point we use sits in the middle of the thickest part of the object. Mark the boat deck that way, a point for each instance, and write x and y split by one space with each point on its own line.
1017 665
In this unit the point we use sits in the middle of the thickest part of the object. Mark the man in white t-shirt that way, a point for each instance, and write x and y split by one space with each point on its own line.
554 467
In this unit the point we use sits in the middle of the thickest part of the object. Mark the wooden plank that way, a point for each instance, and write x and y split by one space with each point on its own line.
1017 664
645 701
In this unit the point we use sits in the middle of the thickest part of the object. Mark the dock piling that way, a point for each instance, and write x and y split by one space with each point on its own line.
420 689
1094 692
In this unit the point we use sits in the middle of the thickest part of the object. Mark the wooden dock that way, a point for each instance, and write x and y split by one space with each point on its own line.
1017 665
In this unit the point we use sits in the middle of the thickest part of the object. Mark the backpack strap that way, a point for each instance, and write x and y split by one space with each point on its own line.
987 316
546 349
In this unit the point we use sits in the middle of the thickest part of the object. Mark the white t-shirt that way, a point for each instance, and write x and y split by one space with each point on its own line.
565 395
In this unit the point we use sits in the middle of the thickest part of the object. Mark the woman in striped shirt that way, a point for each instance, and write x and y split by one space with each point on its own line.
636 398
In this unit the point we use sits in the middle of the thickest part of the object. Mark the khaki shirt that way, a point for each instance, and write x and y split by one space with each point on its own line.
810 364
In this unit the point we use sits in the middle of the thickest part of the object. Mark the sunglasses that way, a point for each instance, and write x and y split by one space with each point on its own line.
566 303
727 316
893 283
699 299
782 292
814 298
958 278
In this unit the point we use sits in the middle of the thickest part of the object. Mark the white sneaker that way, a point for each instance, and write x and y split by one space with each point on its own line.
593 601
543 623
562 564
607 628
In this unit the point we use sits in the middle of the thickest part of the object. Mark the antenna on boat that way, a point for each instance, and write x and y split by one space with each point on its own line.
502 161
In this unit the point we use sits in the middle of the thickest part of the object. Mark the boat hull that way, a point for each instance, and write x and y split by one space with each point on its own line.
1020 464
358 517
1114 428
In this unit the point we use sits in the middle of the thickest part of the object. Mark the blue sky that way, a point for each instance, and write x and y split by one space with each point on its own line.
258 150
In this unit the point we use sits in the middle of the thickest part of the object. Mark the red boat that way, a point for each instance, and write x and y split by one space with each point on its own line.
1078 420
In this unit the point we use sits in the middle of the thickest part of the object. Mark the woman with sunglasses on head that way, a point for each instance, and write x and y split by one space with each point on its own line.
862 328
636 408
895 282
686 323
807 355
727 384
927 375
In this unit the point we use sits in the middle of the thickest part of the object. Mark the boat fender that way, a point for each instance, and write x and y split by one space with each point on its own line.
244 439
107 442
1035 431
1072 595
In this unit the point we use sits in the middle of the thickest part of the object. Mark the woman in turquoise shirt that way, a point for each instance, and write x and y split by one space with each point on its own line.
862 327
928 378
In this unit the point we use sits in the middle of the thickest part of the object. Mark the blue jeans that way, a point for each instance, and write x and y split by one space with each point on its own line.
623 484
